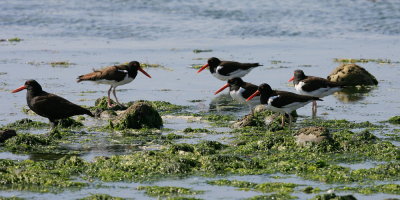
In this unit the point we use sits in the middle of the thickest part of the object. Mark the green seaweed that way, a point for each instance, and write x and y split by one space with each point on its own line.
101 197
167 191
24 124
394 120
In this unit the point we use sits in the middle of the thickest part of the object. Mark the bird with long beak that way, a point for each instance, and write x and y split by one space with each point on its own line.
240 91
281 101
314 86
114 76
49 105
225 70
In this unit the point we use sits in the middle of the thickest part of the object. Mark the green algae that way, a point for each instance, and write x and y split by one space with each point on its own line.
45 176
10 198
25 142
338 124
24 124
383 188
219 120
148 65
273 197
101 197
69 123
61 64
137 116
233 183
201 50
333 196
394 120
364 60
195 130
268 187
16 39
167 191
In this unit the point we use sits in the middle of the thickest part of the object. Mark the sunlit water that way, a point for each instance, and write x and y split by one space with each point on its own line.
282 35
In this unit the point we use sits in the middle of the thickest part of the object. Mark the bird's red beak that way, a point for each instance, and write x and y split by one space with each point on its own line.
202 68
222 88
145 73
256 93
291 79
19 89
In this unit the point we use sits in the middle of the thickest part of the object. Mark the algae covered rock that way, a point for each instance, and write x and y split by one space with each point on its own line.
394 120
263 117
139 115
352 75
6 134
312 134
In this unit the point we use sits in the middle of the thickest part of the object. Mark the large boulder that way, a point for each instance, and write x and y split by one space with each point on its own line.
6 134
352 75
139 115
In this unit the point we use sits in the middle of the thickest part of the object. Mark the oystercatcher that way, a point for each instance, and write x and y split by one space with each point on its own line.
314 86
49 105
225 70
281 101
115 76
240 91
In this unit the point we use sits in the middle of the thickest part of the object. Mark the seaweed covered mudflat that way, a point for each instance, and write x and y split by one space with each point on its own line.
292 167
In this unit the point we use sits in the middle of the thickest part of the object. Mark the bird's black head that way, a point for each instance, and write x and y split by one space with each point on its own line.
134 66
213 62
265 89
299 74
32 85
236 81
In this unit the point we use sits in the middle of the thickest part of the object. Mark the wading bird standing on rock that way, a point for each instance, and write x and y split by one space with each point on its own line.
114 76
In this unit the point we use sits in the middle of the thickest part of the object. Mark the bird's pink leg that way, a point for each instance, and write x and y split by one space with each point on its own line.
108 99
116 99
314 109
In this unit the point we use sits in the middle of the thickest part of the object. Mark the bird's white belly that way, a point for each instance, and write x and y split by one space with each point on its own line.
321 92
114 83
234 74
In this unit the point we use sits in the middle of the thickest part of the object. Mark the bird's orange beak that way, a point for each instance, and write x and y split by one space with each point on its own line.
222 88
291 79
256 93
19 89
202 68
144 72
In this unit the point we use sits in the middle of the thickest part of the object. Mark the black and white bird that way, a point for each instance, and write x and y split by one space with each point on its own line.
281 101
225 70
240 91
314 86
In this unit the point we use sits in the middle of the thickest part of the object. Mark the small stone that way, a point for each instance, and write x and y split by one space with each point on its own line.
352 75
312 134
7 134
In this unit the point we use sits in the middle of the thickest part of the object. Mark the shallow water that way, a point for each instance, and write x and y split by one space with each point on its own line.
282 35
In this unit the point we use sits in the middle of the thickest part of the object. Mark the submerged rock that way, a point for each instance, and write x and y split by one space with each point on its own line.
352 75
312 134
139 115
7 134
